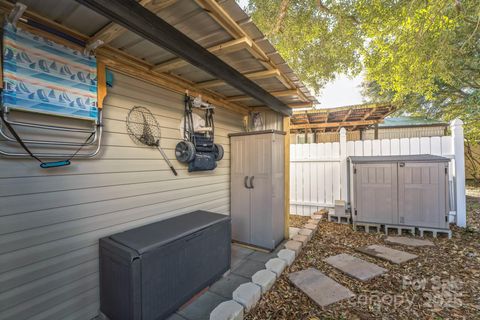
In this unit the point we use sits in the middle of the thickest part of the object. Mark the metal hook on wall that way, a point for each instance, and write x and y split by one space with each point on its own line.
16 13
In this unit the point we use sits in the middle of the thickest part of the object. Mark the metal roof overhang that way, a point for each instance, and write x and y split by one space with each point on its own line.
136 18
221 27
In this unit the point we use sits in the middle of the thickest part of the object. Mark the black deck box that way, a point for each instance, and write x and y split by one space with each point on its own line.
148 272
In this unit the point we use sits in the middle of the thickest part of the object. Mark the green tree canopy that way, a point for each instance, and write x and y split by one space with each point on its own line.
424 55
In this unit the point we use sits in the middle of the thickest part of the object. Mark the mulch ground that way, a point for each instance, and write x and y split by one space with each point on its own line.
298 221
442 283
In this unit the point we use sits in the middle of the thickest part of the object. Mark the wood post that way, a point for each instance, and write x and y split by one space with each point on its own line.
286 128
459 174
101 84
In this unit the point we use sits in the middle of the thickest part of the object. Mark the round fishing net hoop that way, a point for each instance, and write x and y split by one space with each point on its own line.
142 126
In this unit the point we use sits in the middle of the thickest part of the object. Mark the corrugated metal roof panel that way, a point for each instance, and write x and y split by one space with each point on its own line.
191 19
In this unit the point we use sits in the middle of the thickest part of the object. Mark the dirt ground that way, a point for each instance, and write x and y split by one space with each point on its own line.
442 283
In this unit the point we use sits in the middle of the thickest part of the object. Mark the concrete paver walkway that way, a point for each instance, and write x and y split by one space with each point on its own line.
320 288
411 242
355 267
389 254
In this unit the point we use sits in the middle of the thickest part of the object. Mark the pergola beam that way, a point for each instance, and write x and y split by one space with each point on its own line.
332 124
112 30
346 117
220 49
277 94
299 105
215 10
252 76
151 27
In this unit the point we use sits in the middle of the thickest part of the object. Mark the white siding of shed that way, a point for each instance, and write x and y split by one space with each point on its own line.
51 220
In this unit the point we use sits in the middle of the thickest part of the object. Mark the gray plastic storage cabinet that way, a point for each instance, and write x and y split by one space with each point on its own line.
400 190
257 187
148 272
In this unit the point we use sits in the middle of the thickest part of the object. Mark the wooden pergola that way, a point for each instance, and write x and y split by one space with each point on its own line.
354 117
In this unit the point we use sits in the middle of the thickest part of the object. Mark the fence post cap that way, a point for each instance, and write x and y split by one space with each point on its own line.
343 131
456 123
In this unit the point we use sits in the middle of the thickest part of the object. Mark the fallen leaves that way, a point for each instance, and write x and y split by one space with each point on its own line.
442 283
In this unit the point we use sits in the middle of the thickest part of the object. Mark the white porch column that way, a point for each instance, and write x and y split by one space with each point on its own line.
459 154
343 164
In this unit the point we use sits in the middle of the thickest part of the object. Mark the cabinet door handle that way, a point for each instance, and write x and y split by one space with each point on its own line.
245 182
251 182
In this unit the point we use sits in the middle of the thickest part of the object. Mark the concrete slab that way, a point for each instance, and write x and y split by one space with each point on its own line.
276 265
295 246
320 288
265 279
174 316
355 267
248 268
247 295
225 286
306 232
317 216
261 256
293 231
389 254
287 255
313 221
310 226
300 238
411 242
201 308
239 251
228 310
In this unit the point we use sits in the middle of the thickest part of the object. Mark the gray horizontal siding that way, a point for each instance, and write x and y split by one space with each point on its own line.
51 220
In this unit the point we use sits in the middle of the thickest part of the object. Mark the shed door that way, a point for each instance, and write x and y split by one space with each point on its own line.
376 193
240 195
422 194
261 195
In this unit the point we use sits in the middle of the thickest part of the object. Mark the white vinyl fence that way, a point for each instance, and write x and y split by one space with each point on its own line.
318 171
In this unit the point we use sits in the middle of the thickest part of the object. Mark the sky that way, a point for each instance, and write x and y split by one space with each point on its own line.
343 91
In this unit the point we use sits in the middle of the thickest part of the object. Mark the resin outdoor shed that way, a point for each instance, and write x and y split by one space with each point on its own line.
50 221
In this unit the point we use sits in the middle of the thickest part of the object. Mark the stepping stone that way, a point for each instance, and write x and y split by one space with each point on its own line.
228 310
306 232
295 246
300 238
265 279
313 221
310 226
317 216
276 265
412 242
320 288
355 267
287 255
389 254
247 295
293 231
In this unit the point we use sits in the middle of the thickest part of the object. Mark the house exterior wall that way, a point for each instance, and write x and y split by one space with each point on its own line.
51 220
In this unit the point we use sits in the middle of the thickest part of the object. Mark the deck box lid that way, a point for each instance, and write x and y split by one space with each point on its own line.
148 237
